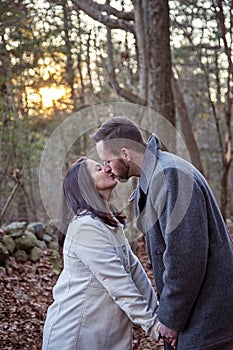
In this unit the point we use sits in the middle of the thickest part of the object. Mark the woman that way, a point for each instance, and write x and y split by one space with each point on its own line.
103 287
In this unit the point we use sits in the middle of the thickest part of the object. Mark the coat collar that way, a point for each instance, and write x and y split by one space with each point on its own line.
149 162
148 165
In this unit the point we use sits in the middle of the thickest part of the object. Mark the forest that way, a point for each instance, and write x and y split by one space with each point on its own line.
68 65
60 57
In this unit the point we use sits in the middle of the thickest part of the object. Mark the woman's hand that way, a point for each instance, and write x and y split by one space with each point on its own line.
169 335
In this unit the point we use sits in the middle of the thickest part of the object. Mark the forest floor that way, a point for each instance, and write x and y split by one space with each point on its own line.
26 293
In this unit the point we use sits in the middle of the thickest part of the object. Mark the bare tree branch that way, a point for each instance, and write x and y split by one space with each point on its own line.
128 16
186 125
129 96
96 11
220 17
16 175
197 49
140 31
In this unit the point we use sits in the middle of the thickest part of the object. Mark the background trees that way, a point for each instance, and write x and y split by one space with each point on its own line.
58 56
206 28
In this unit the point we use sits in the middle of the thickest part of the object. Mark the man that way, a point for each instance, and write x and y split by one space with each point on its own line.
188 244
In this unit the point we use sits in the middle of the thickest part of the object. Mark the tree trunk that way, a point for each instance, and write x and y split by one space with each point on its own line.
160 96
79 61
227 143
142 54
89 74
70 74
227 159
224 189
186 126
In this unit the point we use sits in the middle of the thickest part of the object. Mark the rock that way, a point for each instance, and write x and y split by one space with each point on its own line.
29 241
49 229
26 243
16 227
4 253
37 228
47 238
29 234
53 245
16 234
229 222
41 244
9 243
36 254
21 256
55 260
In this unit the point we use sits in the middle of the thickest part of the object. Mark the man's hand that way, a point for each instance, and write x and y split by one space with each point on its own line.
169 335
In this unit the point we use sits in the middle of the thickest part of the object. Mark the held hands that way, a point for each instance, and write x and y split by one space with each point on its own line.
169 335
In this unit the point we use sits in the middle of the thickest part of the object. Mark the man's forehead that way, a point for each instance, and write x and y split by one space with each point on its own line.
102 150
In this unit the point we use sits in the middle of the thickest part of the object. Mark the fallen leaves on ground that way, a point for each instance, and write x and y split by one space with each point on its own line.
26 293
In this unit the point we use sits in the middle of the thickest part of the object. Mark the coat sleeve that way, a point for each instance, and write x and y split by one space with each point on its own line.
97 251
184 230
141 280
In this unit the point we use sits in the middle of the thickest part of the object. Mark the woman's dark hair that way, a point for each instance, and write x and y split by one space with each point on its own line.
81 197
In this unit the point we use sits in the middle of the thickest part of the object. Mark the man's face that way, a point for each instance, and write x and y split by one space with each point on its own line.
113 164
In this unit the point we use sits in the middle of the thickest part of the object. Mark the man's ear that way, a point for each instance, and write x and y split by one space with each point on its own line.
125 154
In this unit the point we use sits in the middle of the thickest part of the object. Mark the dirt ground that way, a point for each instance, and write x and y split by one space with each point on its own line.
26 293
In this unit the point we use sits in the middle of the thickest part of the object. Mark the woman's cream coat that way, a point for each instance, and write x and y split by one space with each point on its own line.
100 292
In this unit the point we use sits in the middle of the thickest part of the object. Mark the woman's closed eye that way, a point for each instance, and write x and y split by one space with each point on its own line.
98 167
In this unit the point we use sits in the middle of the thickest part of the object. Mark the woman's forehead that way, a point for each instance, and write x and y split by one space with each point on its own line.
91 164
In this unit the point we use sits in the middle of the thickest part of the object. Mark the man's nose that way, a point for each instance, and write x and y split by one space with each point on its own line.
107 168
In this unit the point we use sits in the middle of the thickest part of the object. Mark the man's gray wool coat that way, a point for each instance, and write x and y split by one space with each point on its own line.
190 250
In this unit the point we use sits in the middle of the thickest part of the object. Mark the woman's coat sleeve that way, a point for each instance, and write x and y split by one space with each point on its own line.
141 281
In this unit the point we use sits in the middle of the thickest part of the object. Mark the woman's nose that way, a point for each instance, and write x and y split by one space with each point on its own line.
106 167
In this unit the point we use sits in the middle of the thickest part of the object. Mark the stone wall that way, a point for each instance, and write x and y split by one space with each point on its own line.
26 241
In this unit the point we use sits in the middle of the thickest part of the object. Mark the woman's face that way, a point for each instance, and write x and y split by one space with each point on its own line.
103 181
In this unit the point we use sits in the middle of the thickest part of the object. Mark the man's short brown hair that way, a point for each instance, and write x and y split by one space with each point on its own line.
122 132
